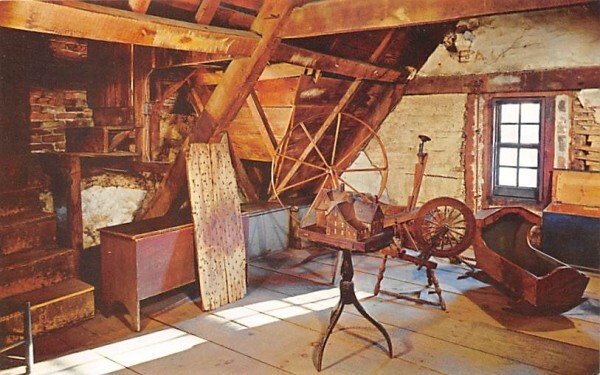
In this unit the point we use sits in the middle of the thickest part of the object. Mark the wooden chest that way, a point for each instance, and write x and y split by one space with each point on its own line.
143 259
571 223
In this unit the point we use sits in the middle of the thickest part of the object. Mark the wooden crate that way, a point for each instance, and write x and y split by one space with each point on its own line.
100 139
143 259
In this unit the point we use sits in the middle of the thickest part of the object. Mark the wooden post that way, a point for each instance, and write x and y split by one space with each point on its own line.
71 173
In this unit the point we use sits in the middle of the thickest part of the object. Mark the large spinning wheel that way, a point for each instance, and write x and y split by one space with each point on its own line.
328 163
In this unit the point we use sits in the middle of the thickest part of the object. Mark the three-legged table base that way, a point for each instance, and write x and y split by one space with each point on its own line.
348 297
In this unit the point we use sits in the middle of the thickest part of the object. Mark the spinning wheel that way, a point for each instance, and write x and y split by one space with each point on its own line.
445 226
326 158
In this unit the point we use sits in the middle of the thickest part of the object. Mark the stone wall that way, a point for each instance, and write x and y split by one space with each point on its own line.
52 110
585 137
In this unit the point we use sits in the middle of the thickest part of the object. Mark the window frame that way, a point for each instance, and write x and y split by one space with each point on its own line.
516 192
545 156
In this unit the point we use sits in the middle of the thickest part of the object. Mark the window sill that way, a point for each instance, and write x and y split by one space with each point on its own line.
498 201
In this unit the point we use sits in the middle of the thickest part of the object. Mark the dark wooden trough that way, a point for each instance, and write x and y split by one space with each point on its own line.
502 251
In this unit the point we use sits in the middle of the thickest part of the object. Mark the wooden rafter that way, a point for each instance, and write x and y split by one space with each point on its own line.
90 21
192 5
225 101
246 185
354 86
315 60
206 11
338 65
262 122
139 6
96 22
198 97
343 16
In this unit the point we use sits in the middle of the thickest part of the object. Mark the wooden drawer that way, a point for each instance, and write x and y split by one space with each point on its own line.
143 259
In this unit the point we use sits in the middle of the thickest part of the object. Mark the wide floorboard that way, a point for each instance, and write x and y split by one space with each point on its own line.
276 328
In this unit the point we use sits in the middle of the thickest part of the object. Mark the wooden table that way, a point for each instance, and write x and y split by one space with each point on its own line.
347 294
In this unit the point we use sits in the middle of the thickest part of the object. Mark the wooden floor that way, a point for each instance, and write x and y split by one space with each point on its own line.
276 327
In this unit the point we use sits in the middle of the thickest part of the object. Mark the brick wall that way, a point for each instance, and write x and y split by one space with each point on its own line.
51 112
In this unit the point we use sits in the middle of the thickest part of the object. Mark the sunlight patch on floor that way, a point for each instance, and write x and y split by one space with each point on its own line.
114 357
266 312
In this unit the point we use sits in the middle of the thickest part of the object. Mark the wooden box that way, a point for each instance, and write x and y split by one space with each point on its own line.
94 139
143 259
571 223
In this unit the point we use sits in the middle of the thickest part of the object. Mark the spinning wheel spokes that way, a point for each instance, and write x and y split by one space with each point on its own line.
325 155
445 226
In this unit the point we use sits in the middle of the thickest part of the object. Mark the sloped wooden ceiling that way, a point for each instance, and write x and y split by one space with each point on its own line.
358 55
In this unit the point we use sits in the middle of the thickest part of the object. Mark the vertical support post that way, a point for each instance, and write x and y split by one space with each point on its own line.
293 240
28 339
74 214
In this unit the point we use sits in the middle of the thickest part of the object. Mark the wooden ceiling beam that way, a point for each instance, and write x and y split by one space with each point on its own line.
339 65
560 79
224 103
245 182
90 21
192 5
315 60
343 16
206 12
139 6
262 122
96 22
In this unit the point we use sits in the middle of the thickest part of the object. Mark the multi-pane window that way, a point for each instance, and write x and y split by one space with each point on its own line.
517 160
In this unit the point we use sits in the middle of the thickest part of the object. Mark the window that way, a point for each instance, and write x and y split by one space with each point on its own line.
517 140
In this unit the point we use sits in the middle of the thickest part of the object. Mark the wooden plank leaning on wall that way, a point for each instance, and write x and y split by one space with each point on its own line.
218 230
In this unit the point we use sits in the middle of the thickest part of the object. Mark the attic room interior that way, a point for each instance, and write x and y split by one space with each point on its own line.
299 186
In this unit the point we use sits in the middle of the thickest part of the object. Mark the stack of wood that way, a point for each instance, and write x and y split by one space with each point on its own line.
586 135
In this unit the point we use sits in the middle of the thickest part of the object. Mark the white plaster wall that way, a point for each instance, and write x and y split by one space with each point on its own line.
558 38
442 118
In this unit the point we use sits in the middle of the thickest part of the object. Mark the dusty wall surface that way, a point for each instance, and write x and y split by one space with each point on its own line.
548 39
552 39
442 118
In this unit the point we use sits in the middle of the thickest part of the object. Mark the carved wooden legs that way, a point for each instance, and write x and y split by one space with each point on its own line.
347 297
419 262
432 280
